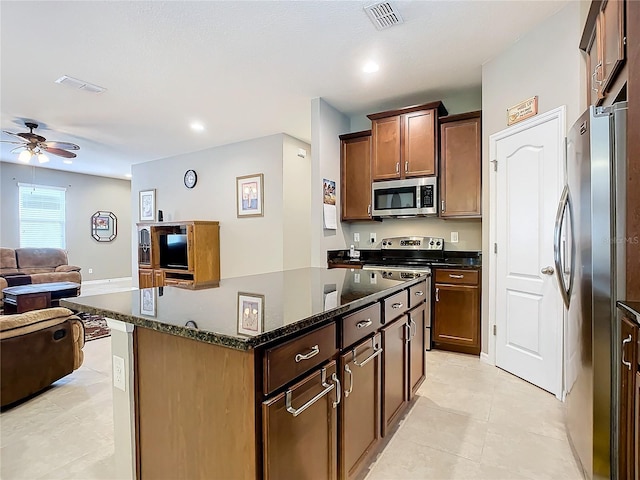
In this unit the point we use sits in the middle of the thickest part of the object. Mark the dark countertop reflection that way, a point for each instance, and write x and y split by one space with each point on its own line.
632 309
245 312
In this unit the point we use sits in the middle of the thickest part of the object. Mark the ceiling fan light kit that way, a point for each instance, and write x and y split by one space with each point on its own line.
32 145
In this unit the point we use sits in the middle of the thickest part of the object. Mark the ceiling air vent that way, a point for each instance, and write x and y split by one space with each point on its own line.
383 15
79 84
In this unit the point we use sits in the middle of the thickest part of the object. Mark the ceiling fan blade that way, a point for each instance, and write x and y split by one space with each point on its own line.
11 133
61 153
15 150
10 141
65 145
32 137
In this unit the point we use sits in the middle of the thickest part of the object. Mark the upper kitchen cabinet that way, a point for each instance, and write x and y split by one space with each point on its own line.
604 42
460 166
404 142
355 166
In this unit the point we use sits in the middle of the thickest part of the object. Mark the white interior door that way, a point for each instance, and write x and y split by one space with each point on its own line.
528 305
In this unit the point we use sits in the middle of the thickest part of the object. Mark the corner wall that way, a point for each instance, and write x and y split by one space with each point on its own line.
545 62
85 195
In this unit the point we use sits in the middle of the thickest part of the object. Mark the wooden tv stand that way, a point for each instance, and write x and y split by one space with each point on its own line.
203 255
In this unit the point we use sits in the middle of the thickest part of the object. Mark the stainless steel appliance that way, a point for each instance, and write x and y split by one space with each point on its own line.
407 258
589 256
405 198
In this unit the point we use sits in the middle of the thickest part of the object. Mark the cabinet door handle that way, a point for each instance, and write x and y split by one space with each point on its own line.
314 351
397 167
327 388
442 205
369 210
624 342
376 351
397 305
412 323
364 323
451 275
348 391
334 377
419 293
437 294
408 338
406 166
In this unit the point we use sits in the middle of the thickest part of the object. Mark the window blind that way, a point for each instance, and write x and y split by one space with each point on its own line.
42 216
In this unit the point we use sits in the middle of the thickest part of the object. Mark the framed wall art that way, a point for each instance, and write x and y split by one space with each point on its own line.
147 205
249 195
250 313
148 302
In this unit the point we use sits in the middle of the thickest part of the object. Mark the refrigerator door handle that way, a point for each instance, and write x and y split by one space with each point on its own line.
563 206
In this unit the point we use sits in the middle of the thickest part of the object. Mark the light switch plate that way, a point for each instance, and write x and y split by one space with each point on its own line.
356 237
119 374
356 278
454 237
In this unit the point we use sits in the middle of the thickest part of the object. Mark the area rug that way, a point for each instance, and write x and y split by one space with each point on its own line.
95 326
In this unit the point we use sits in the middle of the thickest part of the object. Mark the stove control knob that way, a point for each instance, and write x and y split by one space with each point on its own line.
438 243
389 243
431 243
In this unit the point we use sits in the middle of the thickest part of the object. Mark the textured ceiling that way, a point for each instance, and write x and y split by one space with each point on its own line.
243 69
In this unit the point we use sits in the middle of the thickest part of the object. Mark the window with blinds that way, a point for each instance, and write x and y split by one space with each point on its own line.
42 216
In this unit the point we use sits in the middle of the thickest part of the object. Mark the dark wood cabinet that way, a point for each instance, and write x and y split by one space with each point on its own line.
460 166
603 40
395 342
456 320
628 421
417 348
300 429
355 163
404 141
359 414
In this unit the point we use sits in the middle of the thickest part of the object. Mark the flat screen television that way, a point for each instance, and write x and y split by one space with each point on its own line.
173 251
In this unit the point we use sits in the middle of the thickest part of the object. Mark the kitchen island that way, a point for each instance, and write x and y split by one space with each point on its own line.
296 374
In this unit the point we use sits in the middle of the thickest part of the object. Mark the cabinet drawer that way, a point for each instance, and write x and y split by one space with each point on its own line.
466 277
291 359
395 305
360 324
178 282
417 294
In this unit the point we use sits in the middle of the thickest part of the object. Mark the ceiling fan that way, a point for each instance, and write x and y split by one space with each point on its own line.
32 144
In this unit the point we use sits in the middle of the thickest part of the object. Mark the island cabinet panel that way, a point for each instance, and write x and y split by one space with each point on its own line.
417 347
359 417
360 324
299 435
195 408
395 369
355 158
628 369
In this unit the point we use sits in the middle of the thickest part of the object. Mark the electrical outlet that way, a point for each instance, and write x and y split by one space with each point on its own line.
356 278
119 380
454 237
372 237
91 270
356 237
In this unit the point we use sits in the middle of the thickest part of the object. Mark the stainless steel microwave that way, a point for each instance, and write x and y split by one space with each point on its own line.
405 198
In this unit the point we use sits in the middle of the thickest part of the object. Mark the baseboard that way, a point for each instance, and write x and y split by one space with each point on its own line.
484 358
106 280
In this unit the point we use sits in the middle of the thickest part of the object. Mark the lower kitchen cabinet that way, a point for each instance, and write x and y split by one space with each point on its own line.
456 319
629 408
299 437
417 347
395 368
359 414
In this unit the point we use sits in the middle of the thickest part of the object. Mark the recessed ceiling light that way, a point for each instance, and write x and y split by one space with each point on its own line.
370 67
128 175
197 126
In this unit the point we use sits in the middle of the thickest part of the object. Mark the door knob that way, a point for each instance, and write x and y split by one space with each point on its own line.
547 270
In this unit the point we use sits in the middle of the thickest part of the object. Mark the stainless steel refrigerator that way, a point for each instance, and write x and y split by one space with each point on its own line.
589 255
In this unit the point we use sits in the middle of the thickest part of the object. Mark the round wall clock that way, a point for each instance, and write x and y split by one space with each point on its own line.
190 179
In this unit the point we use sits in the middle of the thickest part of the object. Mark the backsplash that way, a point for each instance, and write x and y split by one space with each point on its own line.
469 231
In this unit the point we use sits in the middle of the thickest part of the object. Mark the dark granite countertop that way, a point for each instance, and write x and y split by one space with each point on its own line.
450 258
290 301
632 309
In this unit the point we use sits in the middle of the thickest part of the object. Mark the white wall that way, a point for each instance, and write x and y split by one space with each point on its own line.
249 245
545 62
326 124
85 195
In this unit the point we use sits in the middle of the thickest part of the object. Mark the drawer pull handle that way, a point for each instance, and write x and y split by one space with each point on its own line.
376 351
314 351
451 275
348 391
437 294
624 342
397 305
327 388
419 293
364 324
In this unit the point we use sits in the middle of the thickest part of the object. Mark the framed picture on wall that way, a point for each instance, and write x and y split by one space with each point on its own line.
148 205
249 195
250 313
148 302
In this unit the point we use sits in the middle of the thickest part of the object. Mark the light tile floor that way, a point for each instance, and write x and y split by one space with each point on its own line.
471 421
